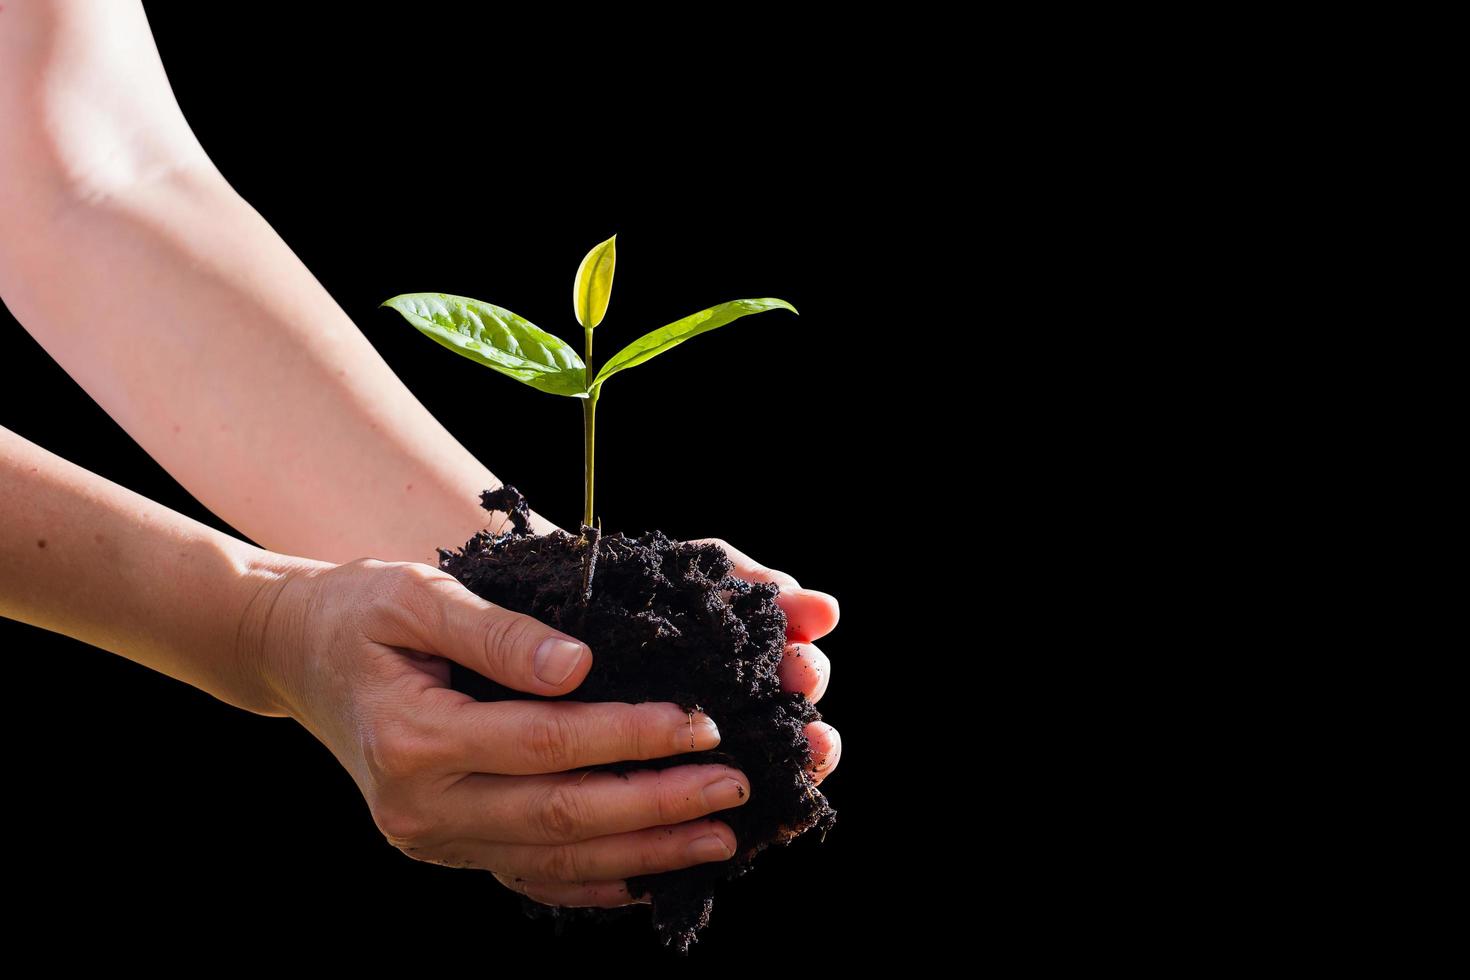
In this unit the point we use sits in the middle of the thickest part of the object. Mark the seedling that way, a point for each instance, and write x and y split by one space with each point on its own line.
499 339
701 637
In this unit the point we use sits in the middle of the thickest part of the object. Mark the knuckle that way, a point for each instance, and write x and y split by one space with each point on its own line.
411 594
669 794
416 571
642 731
423 579
662 852
562 812
387 591
401 826
366 566
407 588
503 632
550 741
561 863
395 755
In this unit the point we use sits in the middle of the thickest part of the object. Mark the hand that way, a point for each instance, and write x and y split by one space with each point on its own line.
357 654
810 615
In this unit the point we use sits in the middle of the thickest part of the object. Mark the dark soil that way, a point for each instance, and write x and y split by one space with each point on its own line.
666 622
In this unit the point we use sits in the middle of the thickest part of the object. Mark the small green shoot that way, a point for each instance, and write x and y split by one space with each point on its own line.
499 339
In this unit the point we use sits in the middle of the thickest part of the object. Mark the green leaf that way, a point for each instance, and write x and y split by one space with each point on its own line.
497 338
593 286
656 342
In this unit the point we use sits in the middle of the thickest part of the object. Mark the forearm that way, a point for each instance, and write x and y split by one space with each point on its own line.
82 556
181 311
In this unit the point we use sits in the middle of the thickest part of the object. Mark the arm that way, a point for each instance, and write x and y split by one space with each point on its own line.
82 556
170 300
358 654
132 261
175 305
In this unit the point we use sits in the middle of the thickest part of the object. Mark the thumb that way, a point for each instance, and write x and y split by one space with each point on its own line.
511 648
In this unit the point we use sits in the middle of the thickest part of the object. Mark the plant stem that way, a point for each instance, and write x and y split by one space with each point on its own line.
589 433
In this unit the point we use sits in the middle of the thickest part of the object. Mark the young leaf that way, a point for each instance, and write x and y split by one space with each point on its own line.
656 342
496 338
593 286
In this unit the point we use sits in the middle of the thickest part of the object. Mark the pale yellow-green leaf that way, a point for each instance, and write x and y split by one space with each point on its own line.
593 287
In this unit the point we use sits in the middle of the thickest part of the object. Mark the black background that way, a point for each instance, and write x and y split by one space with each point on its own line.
435 152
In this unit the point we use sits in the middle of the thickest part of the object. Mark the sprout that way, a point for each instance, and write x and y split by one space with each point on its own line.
499 339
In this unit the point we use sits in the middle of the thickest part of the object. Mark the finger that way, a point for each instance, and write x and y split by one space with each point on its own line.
810 615
437 614
748 568
520 738
826 749
568 807
594 894
600 859
805 669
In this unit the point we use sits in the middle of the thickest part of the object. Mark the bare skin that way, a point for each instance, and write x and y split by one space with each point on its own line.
358 654
216 342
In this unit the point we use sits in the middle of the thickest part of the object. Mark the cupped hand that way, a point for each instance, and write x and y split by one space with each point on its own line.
810 615
360 655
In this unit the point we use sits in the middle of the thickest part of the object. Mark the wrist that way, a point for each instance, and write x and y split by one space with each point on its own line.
541 526
271 633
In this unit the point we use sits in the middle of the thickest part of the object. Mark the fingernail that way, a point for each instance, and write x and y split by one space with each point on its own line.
723 793
696 735
814 594
833 739
709 848
556 658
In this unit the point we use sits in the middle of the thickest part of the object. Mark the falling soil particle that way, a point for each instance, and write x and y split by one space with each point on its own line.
666 621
